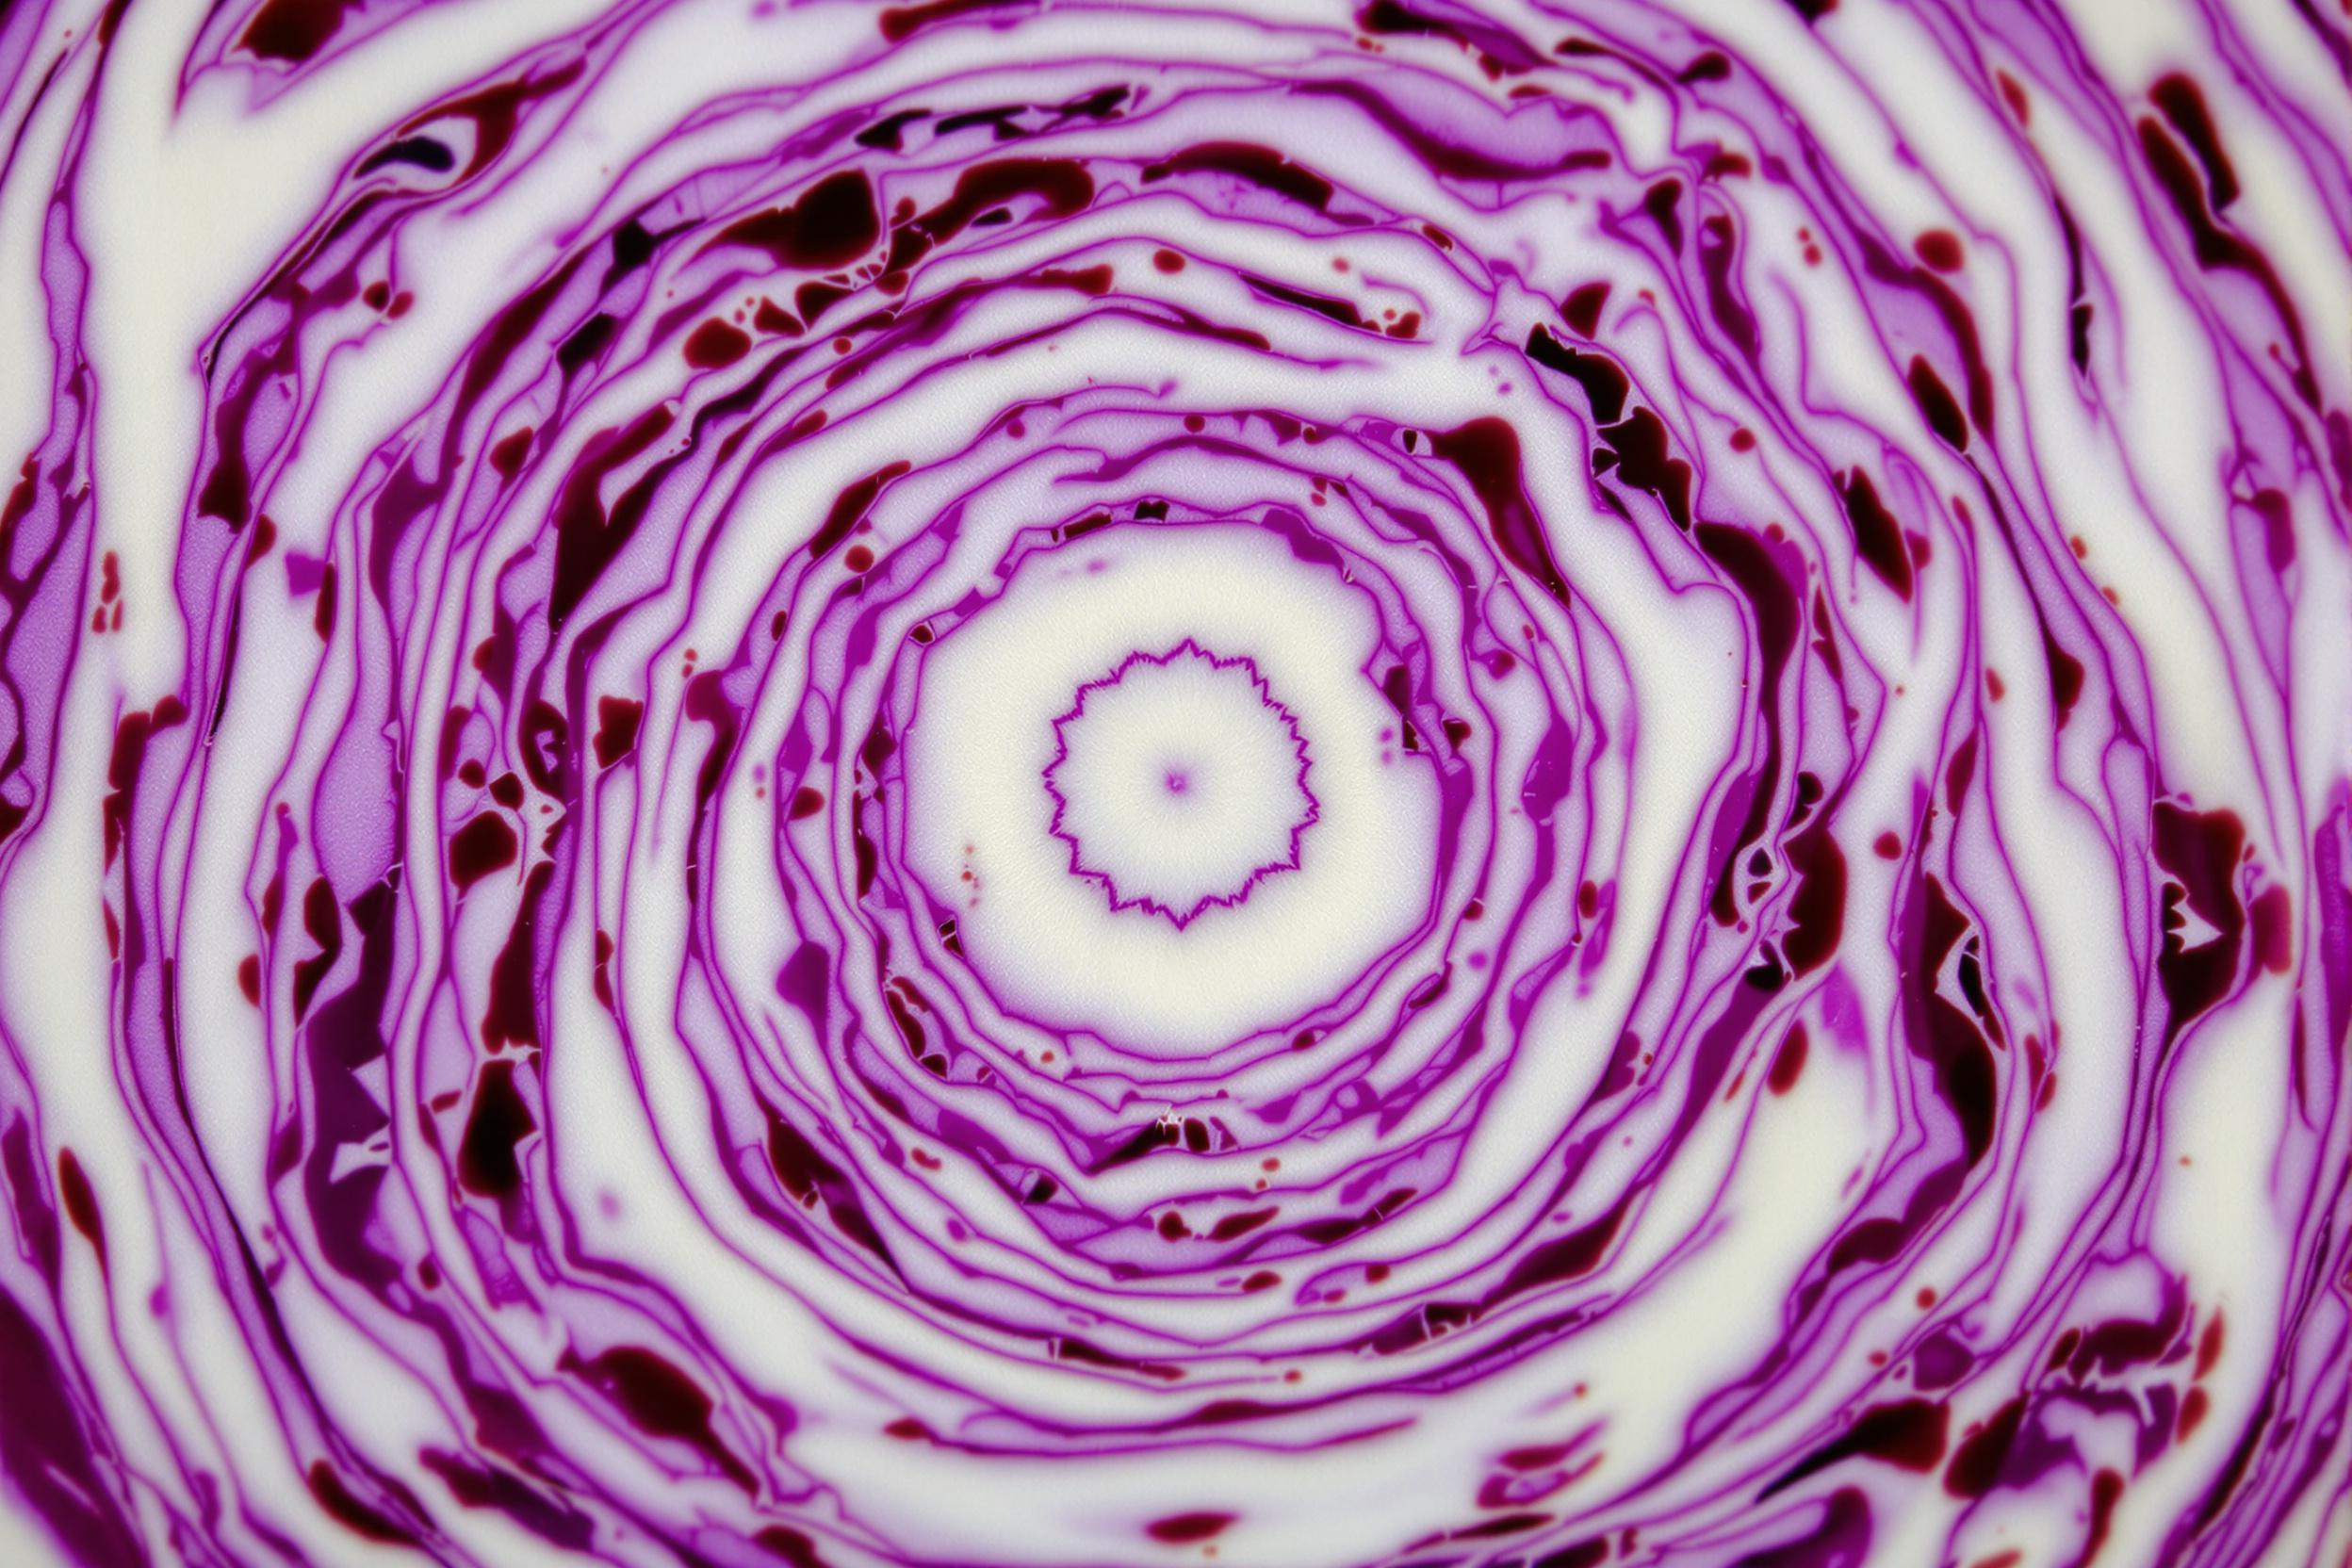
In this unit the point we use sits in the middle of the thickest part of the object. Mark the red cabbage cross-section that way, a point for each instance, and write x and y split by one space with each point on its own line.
1176 783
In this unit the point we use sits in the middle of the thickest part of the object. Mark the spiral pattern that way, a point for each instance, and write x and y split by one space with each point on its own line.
1012 784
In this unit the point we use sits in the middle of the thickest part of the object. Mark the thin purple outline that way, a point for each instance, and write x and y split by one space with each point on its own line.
1061 803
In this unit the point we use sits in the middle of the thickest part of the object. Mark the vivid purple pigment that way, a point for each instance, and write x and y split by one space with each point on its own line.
629 936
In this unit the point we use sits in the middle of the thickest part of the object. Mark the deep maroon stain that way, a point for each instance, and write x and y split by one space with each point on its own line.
2066 676
1877 537
793 1547
1718 244
511 1017
1975 1467
1260 166
2180 102
323 922
79 1202
2200 849
2217 249
1788 1062
617 720
1183 1529
833 223
485 844
1582 309
661 1400
1325 305
1817 909
293 30
849 508
1583 1554
1486 451
479 1486
1638 450
345 1506
1936 403
1605 387
1662 202
1907 1434
716 344
486 1159
899 22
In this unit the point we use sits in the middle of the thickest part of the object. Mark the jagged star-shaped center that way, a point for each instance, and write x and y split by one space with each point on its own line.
1178 781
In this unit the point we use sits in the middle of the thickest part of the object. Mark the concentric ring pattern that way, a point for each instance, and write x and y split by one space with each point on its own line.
1076 784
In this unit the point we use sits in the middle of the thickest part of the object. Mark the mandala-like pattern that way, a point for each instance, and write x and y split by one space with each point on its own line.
1055 785
1180 776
